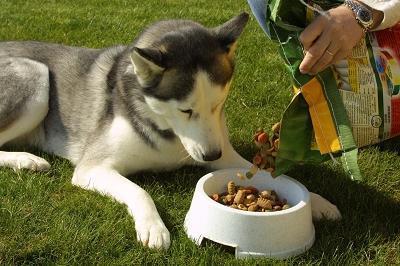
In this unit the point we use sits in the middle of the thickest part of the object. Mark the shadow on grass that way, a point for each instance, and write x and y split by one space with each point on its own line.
370 217
391 145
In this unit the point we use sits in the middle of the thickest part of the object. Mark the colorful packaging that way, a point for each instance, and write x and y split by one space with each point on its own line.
352 104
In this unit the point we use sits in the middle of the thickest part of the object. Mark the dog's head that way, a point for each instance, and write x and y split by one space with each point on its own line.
185 71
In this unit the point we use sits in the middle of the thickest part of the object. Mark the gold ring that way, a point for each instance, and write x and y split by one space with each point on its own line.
329 53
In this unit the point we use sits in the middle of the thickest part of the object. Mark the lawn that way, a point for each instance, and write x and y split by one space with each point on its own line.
46 220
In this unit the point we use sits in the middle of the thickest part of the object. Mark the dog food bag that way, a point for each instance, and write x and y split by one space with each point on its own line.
352 104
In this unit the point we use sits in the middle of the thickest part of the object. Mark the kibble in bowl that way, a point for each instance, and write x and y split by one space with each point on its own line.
277 234
250 199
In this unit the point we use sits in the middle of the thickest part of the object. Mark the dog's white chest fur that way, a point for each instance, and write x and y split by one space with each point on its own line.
130 152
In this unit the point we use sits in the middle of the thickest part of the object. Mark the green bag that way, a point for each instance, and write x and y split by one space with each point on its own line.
347 106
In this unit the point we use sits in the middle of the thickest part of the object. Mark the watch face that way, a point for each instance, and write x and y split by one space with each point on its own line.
364 15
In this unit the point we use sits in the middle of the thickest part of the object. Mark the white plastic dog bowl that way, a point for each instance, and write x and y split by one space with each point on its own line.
280 234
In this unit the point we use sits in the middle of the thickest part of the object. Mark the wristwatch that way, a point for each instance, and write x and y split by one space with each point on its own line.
362 14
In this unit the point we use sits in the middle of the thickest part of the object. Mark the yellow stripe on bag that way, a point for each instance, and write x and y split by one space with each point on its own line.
324 128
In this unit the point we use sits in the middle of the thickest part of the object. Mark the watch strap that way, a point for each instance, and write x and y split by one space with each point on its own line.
355 7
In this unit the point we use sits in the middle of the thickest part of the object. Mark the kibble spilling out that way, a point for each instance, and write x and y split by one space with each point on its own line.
268 146
250 199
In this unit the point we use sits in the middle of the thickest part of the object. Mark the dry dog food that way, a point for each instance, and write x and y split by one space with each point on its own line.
268 146
250 199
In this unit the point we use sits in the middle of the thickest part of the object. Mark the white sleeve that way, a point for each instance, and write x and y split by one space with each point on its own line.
390 8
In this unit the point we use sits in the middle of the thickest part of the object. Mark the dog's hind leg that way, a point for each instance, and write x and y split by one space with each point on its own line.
24 90
150 229
322 208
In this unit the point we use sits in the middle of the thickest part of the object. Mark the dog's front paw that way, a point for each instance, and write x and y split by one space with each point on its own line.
153 234
322 208
24 160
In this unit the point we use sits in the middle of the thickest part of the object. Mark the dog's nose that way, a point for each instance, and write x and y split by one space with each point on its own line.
212 156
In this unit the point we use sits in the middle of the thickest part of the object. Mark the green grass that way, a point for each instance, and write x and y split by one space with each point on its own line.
45 220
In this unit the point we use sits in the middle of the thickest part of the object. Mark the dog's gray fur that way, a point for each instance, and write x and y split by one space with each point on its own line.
98 108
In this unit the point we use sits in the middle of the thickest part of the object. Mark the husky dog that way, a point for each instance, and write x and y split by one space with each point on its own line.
154 105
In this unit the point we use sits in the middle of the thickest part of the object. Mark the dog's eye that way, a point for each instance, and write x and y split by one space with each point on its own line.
188 111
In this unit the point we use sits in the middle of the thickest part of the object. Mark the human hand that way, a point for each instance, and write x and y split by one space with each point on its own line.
329 39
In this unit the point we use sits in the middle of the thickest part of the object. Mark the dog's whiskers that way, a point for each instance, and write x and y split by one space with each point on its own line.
185 157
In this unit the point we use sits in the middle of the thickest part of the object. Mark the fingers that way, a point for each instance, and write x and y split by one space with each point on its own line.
315 52
329 39
329 58
312 32
326 59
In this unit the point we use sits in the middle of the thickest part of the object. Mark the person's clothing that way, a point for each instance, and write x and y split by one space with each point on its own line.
390 8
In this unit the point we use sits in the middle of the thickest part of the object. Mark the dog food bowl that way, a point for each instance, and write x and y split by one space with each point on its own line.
279 234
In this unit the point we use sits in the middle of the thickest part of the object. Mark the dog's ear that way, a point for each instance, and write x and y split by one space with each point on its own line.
230 31
147 65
